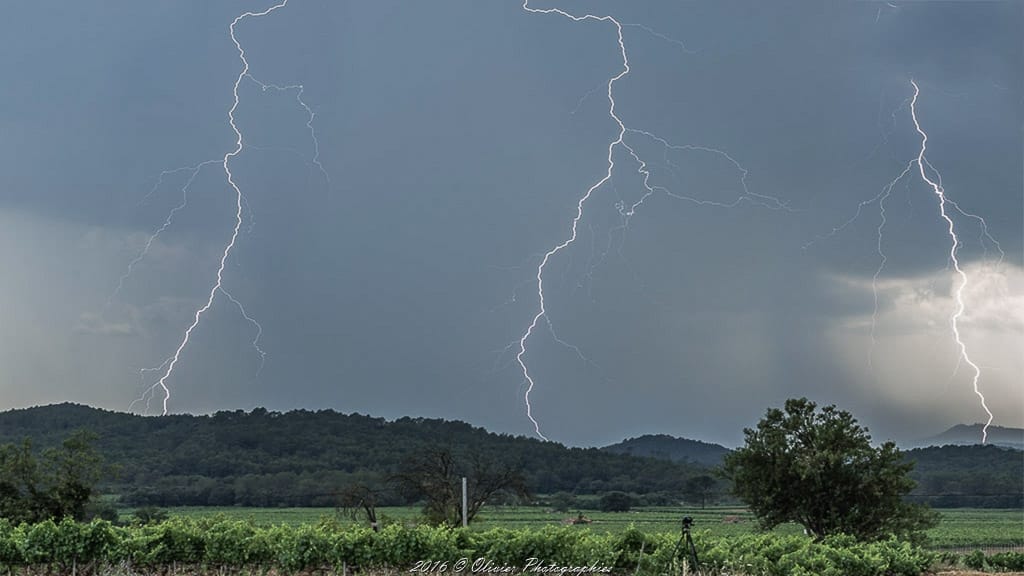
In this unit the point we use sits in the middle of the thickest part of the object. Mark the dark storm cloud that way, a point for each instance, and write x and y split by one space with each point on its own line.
458 138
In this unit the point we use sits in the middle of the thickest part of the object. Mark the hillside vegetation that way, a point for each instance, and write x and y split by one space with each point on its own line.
303 458
671 448
967 435
968 476
219 546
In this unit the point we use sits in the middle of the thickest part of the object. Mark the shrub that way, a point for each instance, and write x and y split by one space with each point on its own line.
615 502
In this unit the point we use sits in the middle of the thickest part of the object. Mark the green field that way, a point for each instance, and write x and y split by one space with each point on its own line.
959 528
969 527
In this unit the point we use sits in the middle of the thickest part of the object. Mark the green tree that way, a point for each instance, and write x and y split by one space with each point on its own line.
360 500
58 484
20 495
615 502
818 469
562 501
435 477
149 515
73 471
699 488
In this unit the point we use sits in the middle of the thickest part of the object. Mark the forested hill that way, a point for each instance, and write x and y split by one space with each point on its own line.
972 476
671 448
966 435
947 476
303 457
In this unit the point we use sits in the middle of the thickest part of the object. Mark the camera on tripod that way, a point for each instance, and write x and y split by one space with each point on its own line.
686 544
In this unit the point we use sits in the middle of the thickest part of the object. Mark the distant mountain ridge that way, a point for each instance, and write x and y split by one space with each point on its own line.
973 476
947 476
302 457
970 434
667 447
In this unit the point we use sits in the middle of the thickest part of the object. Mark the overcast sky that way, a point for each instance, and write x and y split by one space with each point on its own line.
396 273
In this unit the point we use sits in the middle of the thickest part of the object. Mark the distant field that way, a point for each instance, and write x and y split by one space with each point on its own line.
960 528
969 527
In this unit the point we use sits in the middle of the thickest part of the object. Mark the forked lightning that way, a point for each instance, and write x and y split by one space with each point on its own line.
167 367
940 193
626 211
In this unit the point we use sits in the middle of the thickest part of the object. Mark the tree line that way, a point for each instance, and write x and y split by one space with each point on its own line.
799 465
58 483
303 458
306 458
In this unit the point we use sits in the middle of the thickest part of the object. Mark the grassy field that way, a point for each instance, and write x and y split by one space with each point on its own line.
959 528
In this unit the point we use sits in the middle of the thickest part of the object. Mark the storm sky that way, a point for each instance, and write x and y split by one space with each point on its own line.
455 140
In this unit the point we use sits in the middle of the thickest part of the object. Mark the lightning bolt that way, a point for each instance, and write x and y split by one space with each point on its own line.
167 222
625 212
257 325
882 197
309 123
982 224
148 391
660 36
747 196
940 193
168 365
542 312
920 161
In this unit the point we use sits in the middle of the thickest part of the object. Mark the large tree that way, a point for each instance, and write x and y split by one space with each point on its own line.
58 484
819 469
361 500
700 488
435 475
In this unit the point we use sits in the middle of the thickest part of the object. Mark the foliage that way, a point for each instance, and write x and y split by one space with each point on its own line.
615 502
102 508
959 528
220 543
20 497
302 457
975 560
149 515
60 483
671 448
562 501
968 476
72 472
434 476
700 488
1007 560
999 561
818 468
360 500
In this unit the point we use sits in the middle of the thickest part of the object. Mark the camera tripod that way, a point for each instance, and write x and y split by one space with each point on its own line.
686 540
